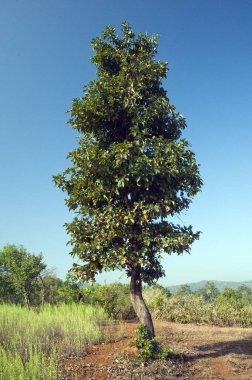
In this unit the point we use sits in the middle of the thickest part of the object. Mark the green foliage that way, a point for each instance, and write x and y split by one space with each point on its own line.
155 296
114 298
209 292
230 297
148 347
7 290
70 290
21 270
51 287
131 170
183 290
245 294
226 309
183 309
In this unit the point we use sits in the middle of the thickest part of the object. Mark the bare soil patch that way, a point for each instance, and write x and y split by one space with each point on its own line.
211 352
201 353
99 357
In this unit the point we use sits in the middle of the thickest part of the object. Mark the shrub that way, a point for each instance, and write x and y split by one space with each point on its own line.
246 316
229 310
245 295
148 347
184 309
226 310
115 299
155 297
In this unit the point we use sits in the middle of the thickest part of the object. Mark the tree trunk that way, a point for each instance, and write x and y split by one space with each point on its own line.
27 301
42 291
138 302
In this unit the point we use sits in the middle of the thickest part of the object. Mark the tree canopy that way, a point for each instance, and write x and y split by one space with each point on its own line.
20 270
132 171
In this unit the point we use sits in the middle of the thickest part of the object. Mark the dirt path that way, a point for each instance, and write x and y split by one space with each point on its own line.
102 356
211 352
202 352
94 366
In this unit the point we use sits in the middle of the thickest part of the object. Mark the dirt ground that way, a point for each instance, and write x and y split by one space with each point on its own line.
211 352
200 353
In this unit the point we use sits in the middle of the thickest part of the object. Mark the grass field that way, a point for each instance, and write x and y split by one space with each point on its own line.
32 342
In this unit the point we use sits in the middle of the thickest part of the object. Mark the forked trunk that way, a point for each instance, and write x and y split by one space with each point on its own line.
138 302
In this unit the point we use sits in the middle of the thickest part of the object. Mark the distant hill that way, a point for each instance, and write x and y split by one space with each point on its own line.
221 285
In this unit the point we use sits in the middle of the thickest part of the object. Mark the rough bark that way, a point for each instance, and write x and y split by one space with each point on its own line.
138 302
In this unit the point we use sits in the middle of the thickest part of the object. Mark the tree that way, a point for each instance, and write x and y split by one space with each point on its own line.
131 172
209 292
229 297
22 269
7 291
49 288
183 290
244 293
71 289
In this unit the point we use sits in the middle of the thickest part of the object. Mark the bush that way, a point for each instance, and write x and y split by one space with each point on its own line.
226 310
246 316
148 347
155 297
184 309
245 295
229 310
115 299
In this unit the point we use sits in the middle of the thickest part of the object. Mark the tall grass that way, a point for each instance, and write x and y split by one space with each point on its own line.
33 341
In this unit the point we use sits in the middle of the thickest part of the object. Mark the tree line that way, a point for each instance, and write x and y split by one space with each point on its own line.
26 279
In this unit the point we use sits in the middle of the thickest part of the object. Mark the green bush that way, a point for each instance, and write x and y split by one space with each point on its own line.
226 310
184 309
229 310
246 316
155 297
115 299
148 347
245 295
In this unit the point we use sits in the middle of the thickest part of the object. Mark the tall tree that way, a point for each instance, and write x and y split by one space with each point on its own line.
131 172
22 269
209 292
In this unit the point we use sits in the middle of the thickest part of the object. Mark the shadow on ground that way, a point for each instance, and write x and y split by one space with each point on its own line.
236 347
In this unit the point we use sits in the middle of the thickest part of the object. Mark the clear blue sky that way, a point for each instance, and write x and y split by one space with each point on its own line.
44 62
